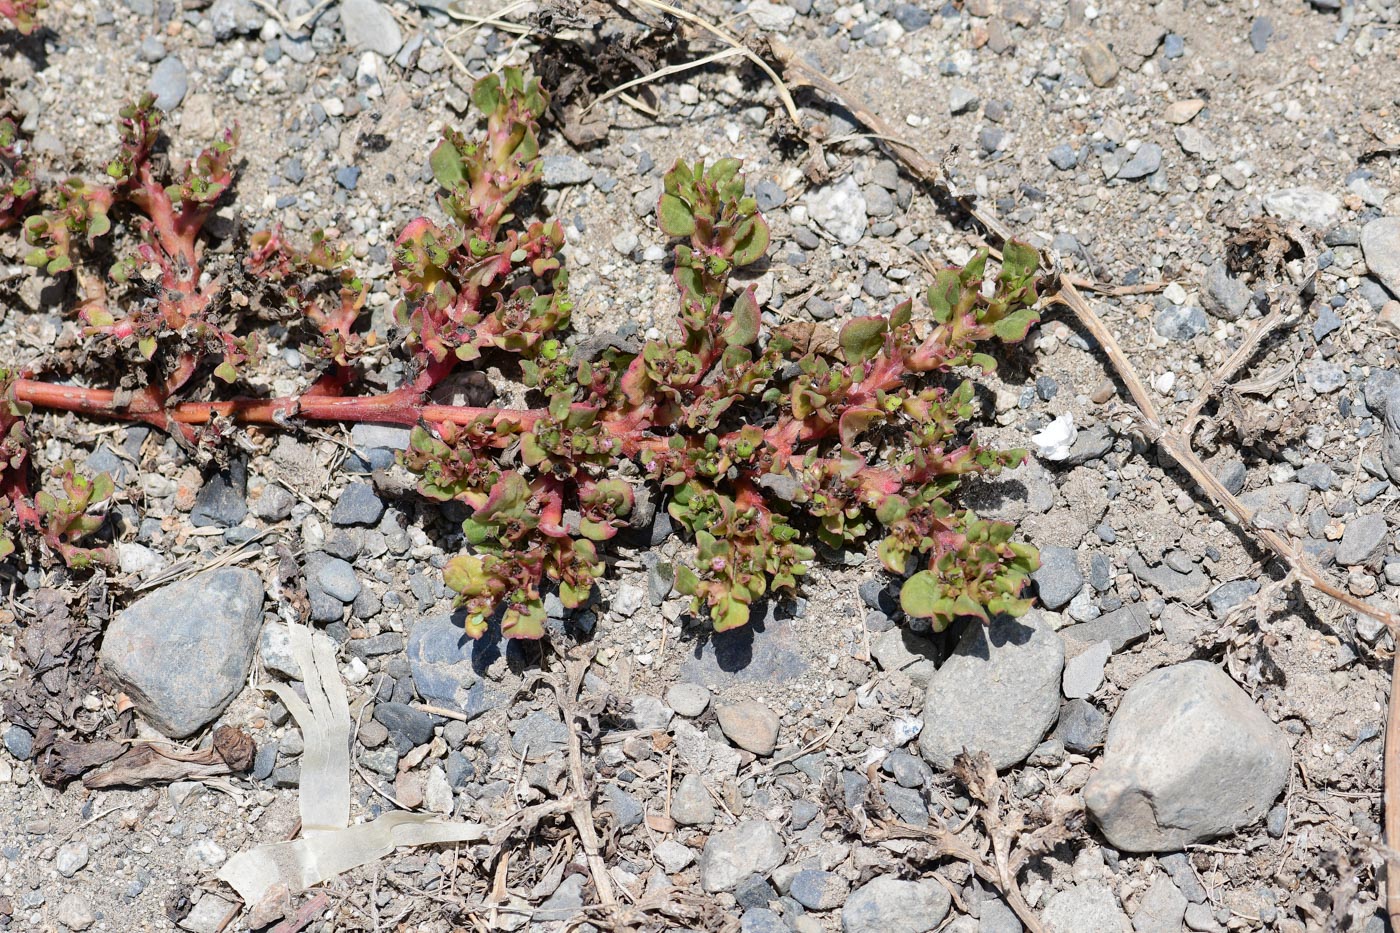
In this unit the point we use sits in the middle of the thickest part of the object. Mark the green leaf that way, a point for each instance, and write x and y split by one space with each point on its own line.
147 346
922 595
729 613
1016 325
675 216
465 574
227 372
862 338
686 581
750 241
945 294
1019 261
742 327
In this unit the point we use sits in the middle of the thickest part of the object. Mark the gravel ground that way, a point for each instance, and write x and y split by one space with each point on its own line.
1227 748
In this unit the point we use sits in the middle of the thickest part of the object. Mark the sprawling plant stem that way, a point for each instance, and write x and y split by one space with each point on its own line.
766 443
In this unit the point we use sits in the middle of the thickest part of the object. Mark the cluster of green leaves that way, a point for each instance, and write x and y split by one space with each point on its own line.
479 282
765 444
17 189
60 520
23 13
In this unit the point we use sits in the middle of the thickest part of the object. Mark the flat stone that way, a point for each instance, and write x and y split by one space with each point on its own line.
447 666
903 649
1181 322
1120 628
691 804
170 82
1225 296
539 735
183 653
1307 206
1088 907
1081 727
1084 672
1363 540
761 652
840 210
1380 244
370 27
753 846
689 700
1183 111
889 905
1100 64
337 578
1160 910
1018 661
408 727
358 504
560 171
222 500
818 890
750 726
1144 162
673 856
762 920
74 913
1059 577
1189 757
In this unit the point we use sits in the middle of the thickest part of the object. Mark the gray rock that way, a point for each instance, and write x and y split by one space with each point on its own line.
818 890
673 856
359 504
564 904
559 171
691 804
763 653
222 500
907 803
446 666
1160 910
1084 672
369 26
753 846
750 726
275 650
997 917
1380 244
1189 757
888 905
689 700
408 727
1169 581
1146 161
1225 296
235 17
1201 918
1017 660
1081 727
1307 206
72 857
1120 628
74 913
170 82
1195 142
1390 435
1178 868
19 742
1227 596
1363 541
1059 577
1323 376
1088 907
1063 157
183 652
272 503
1181 322
1261 30
902 649
762 920
961 100
625 808
539 735
337 578
840 210
769 195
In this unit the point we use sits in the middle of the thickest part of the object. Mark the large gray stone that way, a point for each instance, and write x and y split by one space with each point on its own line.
1189 757
1380 243
732 854
369 26
998 693
183 653
888 905
1363 542
1089 907
448 666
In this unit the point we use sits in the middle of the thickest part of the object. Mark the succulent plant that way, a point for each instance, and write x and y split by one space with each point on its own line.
767 444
